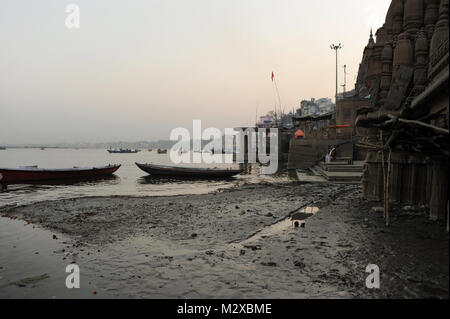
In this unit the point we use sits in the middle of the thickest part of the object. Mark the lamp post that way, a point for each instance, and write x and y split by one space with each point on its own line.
345 80
336 48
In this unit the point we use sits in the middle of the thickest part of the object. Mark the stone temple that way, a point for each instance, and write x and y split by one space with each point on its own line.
401 107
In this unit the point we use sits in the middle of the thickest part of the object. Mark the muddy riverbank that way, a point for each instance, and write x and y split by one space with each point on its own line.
234 243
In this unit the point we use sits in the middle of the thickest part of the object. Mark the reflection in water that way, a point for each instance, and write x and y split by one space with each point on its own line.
255 169
298 219
246 168
112 179
295 221
156 180
309 210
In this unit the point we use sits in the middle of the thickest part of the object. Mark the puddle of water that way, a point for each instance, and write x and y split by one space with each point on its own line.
295 221
309 210
31 253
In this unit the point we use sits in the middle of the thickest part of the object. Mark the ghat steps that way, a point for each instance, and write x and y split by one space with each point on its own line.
340 172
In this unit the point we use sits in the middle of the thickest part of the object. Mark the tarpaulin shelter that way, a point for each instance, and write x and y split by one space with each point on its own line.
299 134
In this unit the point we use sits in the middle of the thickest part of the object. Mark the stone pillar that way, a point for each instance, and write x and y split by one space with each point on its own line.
421 55
386 74
431 16
388 24
377 68
397 21
441 29
403 54
413 16
439 189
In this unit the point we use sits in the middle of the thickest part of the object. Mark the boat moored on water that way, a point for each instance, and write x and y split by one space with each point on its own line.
162 170
123 151
35 174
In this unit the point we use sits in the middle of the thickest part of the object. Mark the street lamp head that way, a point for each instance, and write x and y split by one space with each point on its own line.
336 47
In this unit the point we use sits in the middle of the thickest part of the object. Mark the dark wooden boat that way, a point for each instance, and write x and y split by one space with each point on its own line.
161 151
161 170
123 151
34 174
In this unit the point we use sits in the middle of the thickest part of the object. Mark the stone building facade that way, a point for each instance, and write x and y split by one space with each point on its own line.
404 75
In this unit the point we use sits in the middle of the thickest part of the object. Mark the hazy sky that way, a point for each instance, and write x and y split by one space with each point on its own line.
136 69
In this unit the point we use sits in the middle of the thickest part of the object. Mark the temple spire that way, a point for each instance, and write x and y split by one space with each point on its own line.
371 40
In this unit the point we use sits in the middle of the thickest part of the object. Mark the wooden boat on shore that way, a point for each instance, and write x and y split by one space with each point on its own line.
162 170
123 151
162 151
35 174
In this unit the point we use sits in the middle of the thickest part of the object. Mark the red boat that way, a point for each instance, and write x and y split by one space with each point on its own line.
35 174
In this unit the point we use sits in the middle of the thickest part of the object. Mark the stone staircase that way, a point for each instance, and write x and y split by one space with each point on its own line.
339 171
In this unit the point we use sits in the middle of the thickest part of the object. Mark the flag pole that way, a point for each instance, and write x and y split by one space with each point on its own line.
278 94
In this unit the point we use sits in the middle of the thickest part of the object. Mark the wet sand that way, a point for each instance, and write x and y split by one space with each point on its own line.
233 243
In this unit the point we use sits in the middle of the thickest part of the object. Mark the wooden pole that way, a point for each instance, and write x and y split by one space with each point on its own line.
384 186
388 182
384 174
438 129
447 216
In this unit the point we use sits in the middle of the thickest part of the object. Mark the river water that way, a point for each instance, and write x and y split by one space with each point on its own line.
129 180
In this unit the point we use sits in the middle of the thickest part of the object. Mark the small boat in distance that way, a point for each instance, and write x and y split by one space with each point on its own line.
2 148
162 170
35 174
162 151
123 151
150 150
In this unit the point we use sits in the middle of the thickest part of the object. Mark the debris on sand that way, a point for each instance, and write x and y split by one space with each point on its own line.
299 264
269 264
253 247
31 281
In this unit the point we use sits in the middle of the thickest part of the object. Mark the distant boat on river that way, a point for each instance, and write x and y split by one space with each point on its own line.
123 151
